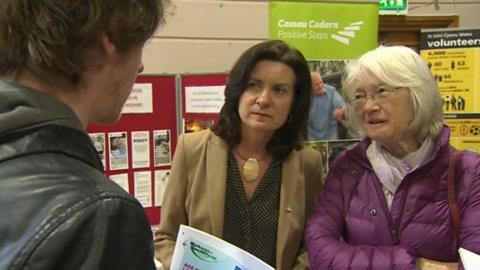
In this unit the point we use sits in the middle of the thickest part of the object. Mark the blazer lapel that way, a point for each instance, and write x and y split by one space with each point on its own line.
290 204
216 180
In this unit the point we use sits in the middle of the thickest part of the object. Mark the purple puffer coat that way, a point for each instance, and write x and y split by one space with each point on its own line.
352 207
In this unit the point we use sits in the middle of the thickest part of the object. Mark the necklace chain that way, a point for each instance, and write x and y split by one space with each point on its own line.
244 158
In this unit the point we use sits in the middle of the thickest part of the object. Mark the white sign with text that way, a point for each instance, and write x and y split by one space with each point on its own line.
140 99
204 99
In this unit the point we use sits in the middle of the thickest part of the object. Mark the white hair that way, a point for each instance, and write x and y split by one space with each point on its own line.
400 66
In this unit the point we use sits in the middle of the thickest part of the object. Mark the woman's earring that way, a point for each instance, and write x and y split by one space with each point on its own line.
290 118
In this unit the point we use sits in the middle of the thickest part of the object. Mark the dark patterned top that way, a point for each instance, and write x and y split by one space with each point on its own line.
252 224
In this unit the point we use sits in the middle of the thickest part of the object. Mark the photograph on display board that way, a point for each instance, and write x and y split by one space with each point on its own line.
162 147
328 114
330 149
194 125
336 147
140 149
98 140
321 147
118 150
161 181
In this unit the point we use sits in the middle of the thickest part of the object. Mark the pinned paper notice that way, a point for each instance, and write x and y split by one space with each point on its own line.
470 260
204 99
140 99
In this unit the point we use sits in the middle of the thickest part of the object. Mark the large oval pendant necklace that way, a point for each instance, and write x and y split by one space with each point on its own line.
251 168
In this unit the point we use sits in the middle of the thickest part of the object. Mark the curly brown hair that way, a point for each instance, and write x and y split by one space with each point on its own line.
57 36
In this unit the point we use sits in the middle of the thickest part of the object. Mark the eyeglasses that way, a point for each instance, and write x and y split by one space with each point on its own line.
381 94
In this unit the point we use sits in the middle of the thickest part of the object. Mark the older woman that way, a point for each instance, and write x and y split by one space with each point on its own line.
385 203
249 180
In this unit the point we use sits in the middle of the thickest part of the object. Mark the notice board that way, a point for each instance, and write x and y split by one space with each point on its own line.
137 151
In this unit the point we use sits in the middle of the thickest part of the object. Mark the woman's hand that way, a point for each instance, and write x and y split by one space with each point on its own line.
426 264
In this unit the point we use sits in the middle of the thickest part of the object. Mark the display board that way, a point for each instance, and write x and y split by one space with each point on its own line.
202 98
137 151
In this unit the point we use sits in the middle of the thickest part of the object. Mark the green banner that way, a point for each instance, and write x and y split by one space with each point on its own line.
325 31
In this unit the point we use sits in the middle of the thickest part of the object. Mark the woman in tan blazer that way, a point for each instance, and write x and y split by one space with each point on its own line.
250 180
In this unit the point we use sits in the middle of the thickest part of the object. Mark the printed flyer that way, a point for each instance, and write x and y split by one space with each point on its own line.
197 250
98 140
118 150
143 187
161 146
140 149
470 260
161 180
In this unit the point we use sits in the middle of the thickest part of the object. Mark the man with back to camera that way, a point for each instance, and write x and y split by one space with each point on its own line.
328 108
64 65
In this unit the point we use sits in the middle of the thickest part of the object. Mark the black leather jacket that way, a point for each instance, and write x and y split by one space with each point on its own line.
58 210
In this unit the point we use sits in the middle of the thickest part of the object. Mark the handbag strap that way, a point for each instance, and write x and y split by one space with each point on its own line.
452 195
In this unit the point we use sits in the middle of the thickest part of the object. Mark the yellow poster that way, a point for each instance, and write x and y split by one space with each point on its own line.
453 56
466 144
464 127
455 71
464 131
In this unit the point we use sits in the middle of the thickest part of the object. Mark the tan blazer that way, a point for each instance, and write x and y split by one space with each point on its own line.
195 196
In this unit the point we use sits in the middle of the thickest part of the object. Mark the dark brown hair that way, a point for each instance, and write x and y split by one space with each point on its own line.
57 36
292 134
